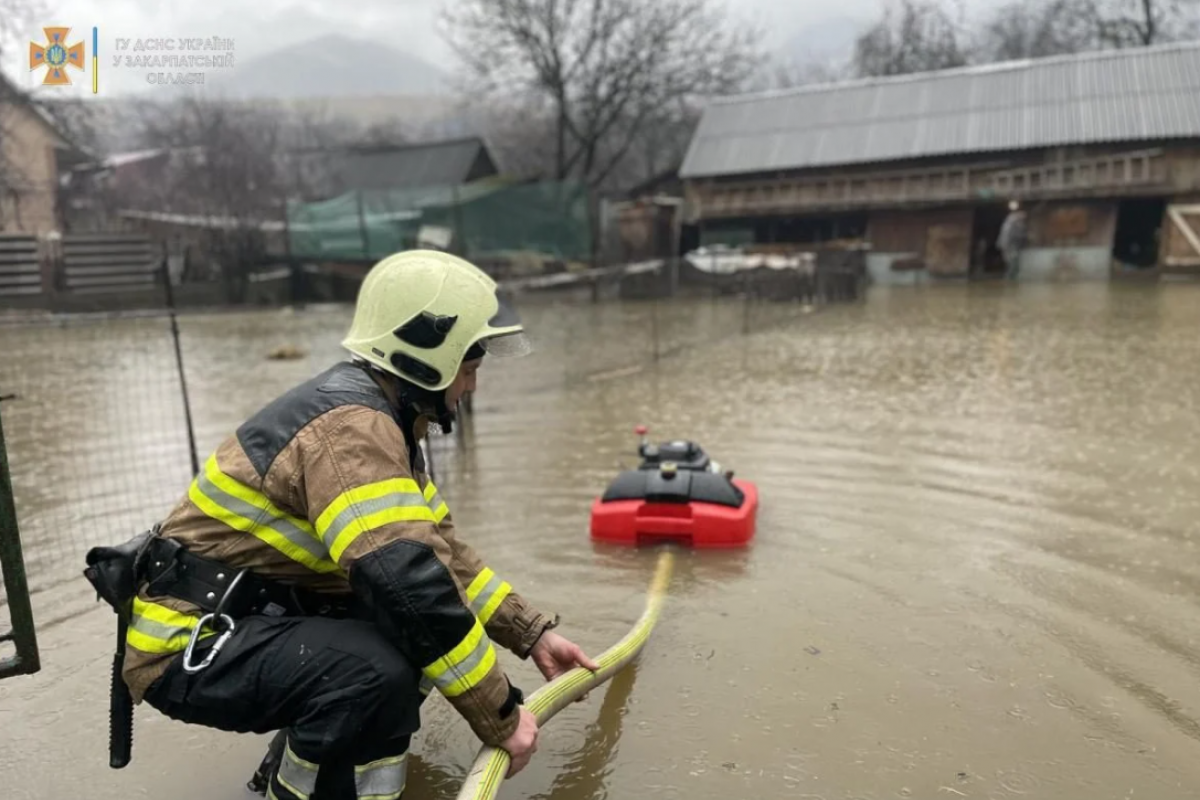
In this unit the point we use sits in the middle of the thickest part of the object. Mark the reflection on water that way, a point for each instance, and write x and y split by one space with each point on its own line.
976 572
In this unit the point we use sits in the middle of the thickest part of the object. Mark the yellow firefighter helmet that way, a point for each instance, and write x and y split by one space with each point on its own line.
421 313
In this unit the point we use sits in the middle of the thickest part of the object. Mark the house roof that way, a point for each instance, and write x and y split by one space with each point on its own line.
10 91
412 165
118 160
1134 95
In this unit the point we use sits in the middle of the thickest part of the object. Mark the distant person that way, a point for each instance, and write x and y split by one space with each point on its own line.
1011 241
311 582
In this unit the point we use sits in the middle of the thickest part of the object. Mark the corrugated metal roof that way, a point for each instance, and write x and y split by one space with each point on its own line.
1125 95
405 166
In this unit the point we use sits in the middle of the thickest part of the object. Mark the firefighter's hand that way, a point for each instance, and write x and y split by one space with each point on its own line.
554 655
523 743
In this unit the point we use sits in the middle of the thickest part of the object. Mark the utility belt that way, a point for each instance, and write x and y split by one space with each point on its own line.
171 571
167 569
223 594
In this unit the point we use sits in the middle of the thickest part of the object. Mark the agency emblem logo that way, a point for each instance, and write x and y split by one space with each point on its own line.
56 56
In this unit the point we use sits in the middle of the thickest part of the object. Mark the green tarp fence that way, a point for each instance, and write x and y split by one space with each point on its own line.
484 217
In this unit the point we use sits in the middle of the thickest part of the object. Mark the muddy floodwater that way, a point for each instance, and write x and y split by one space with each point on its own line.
976 572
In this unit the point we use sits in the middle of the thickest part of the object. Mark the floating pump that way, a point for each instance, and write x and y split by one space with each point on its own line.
678 494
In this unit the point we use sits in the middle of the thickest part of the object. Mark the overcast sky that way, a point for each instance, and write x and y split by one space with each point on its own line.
258 26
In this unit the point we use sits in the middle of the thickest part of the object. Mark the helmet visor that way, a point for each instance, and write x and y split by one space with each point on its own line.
509 344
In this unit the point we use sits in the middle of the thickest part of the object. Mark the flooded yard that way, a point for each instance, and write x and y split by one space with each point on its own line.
976 572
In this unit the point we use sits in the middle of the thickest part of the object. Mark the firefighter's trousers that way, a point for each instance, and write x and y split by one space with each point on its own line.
347 699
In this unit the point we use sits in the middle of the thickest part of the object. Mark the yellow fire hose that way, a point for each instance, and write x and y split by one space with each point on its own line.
491 763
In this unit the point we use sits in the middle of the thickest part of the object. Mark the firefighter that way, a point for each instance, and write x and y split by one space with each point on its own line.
312 582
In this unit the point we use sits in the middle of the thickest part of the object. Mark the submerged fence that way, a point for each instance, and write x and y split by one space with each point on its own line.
98 430
97 442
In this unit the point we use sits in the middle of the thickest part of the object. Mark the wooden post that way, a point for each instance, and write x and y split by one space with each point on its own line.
654 327
287 231
50 262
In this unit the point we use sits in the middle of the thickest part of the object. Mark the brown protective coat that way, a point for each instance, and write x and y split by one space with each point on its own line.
349 446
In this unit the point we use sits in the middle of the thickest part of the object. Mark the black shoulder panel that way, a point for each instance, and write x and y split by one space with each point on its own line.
265 434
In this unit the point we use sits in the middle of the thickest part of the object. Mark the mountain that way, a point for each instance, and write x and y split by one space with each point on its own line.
331 66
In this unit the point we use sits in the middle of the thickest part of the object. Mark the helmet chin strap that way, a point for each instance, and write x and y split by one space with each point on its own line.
417 401
436 401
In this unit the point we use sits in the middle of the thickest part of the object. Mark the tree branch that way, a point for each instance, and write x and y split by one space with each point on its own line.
600 64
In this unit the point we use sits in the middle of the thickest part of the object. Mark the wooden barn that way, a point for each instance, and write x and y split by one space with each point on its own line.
1101 151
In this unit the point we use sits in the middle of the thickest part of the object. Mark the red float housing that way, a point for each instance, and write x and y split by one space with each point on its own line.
677 494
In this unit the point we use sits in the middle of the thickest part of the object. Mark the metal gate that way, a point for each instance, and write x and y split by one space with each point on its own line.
1182 241
19 633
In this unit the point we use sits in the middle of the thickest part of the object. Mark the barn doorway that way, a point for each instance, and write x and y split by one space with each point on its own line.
986 260
1139 231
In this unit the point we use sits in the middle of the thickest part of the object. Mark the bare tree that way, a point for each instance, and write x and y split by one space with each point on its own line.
790 73
1138 23
921 35
1036 29
221 168
16 17
384 132
72 118
663 144
311 139
602 69
520 133
912 36
784 72
1039 28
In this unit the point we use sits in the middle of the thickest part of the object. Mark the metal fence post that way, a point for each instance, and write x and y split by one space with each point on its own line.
183 389
12 566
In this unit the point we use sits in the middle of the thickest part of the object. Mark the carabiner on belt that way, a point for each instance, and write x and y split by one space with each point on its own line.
230 627
225 620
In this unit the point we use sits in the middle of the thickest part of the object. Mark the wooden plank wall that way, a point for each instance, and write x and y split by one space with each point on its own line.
1072 224
941 238
1181 235
109 262
20 266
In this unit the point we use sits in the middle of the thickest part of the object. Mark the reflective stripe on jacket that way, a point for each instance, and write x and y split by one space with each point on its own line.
318 489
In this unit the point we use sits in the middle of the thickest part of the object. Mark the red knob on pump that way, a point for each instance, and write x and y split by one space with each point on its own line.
641 430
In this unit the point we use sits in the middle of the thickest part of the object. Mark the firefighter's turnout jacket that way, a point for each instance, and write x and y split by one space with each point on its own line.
317 489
